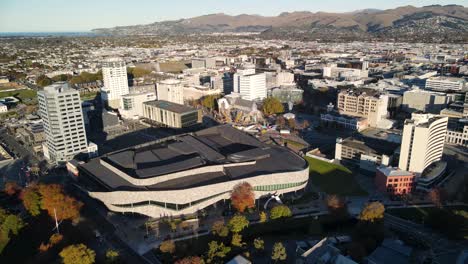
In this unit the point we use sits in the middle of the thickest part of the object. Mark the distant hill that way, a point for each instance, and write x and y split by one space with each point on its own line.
437 22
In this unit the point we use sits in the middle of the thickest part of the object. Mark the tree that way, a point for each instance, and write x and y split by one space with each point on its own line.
243 197
237 223
357 251
112 256
220 229
167 246
190 260
216 250
53 240
279 252
437 196
334 202
43 80
11 188
271 106
280 211
55 201
236 240
372 212
10 225
292 123
263 217
259 244
77 254
31 200
209 101
305 124
280 122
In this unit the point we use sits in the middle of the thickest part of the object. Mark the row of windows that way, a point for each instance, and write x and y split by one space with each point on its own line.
275 187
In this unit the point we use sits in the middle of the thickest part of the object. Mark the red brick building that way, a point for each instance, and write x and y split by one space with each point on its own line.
393 180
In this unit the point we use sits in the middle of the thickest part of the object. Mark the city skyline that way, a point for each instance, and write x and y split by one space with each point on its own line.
56 16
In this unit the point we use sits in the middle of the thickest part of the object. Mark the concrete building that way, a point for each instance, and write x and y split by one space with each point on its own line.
465 105
374 108
183 174
347 122
393 180
114 73
457 133
349 74
132 104
249 85
203 63
170 90
171 114
425 101
60 110
3 108
445 84
422 142
365 153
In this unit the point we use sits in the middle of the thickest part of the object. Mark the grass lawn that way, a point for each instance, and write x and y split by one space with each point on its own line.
419 214
333 179
88 96
20 94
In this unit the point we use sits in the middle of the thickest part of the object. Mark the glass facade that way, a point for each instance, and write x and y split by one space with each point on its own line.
275 187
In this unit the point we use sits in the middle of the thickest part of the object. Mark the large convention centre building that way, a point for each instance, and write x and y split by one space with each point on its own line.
182 174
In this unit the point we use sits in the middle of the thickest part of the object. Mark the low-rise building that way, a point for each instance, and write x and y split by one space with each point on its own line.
393 180
365 153
132 104
348 122
425 101
445 84
3 108
170 114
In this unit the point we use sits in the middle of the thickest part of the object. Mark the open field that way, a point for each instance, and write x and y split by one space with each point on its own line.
333 179
24 94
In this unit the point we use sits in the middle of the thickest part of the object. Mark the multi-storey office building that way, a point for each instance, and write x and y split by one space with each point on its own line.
393 180
374 108
114 73
132 104
170 90
250 86
445 84
425 101
170 114
422 142
60 110
183 174
457 133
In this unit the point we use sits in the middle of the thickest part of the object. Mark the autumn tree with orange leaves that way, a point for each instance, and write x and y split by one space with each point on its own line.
53 197
243 197
11 188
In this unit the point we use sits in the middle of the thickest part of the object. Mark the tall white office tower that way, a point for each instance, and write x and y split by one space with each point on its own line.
114 74
60 110
423 142
170 90
249 85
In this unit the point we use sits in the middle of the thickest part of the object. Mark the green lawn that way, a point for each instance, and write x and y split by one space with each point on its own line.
20 94
333 179
419 214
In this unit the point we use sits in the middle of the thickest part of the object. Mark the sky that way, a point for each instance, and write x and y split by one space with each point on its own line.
84 15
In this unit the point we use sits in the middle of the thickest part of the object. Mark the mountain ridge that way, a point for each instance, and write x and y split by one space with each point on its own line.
448 20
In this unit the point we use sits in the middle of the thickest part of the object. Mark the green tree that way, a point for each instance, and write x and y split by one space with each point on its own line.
236 240
10 225
31 200
279 252
237 223
43 80
216 250
263 217
210 101
259 244
372 212
280 211
272 106
77 254
112 256
220 229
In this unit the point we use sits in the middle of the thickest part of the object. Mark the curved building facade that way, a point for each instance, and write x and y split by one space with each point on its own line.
184 174
423 142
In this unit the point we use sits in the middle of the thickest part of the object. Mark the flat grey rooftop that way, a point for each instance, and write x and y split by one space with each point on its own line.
212 146
169 106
